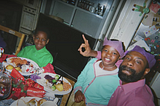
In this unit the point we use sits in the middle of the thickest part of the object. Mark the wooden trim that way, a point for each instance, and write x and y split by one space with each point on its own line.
18 34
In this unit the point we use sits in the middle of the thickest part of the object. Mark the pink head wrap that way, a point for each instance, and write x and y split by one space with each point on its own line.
116 44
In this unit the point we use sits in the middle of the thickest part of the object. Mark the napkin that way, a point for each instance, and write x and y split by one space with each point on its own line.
35 92
27 87
4 56
16 74
49 68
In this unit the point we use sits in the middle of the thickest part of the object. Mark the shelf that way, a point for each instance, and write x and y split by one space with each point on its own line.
70 5
83 18
88 8
96 7
71 2
101 17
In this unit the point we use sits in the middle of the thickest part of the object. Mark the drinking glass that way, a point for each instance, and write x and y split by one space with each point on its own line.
5 83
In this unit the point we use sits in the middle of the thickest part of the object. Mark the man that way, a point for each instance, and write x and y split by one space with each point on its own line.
132 90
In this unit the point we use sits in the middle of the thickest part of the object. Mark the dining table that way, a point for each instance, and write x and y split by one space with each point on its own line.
62 99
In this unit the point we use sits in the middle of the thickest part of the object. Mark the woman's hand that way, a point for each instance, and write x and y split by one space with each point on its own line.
79 96
88 52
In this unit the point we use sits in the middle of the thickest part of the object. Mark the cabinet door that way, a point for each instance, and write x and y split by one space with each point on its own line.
63 10
85 22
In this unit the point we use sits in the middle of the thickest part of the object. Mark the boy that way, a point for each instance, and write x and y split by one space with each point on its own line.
38 52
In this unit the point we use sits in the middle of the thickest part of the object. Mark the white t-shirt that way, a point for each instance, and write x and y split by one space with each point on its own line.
100 71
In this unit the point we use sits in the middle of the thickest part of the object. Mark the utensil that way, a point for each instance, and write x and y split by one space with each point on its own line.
62 81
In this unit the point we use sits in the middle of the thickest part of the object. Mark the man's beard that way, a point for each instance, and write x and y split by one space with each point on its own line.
129 78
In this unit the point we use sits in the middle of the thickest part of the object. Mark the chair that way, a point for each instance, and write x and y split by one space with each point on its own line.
18 34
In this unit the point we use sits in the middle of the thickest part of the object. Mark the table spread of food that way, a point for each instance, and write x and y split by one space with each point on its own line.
33 89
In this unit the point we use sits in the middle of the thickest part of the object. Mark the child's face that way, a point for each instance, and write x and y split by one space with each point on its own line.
40 40
109 56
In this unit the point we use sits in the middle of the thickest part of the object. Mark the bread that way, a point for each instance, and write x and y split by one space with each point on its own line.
32 102
9 67
18 69
41 101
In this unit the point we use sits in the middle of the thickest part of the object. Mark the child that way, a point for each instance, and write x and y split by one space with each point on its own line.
38 52
91 53
99 79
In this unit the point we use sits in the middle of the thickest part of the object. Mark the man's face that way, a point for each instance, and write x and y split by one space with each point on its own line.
133 67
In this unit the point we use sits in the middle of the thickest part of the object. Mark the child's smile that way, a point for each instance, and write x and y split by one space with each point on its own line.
40 40
109 56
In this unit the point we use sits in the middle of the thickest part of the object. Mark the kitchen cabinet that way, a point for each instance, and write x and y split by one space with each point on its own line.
29 17
87 16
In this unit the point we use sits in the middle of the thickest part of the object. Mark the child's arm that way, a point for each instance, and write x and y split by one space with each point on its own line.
81 80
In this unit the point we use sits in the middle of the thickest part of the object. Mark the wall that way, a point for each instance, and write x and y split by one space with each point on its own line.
128 22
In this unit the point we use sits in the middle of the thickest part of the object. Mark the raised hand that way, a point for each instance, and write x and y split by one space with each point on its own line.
88 52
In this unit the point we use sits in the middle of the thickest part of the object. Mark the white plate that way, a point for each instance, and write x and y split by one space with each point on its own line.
42 82
26 99
24 73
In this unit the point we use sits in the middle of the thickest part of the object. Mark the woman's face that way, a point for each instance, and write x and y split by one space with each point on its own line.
109 56
40 40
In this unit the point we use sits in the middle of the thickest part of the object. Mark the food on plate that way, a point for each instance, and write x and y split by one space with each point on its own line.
55 83
57 77
18 61
53 88
9 67
30 102
18 69
23 65
52 80
41 101
59 87
66 86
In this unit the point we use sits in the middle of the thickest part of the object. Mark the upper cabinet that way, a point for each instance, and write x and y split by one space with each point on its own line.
87 16
30 13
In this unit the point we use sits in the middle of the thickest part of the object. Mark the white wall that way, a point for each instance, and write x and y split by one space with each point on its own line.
128 22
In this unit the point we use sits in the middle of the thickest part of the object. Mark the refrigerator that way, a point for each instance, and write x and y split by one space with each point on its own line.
134 27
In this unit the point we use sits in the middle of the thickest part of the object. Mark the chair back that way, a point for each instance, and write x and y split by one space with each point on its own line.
18 34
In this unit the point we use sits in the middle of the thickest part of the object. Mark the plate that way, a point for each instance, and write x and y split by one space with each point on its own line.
22 100
27 70
42 82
